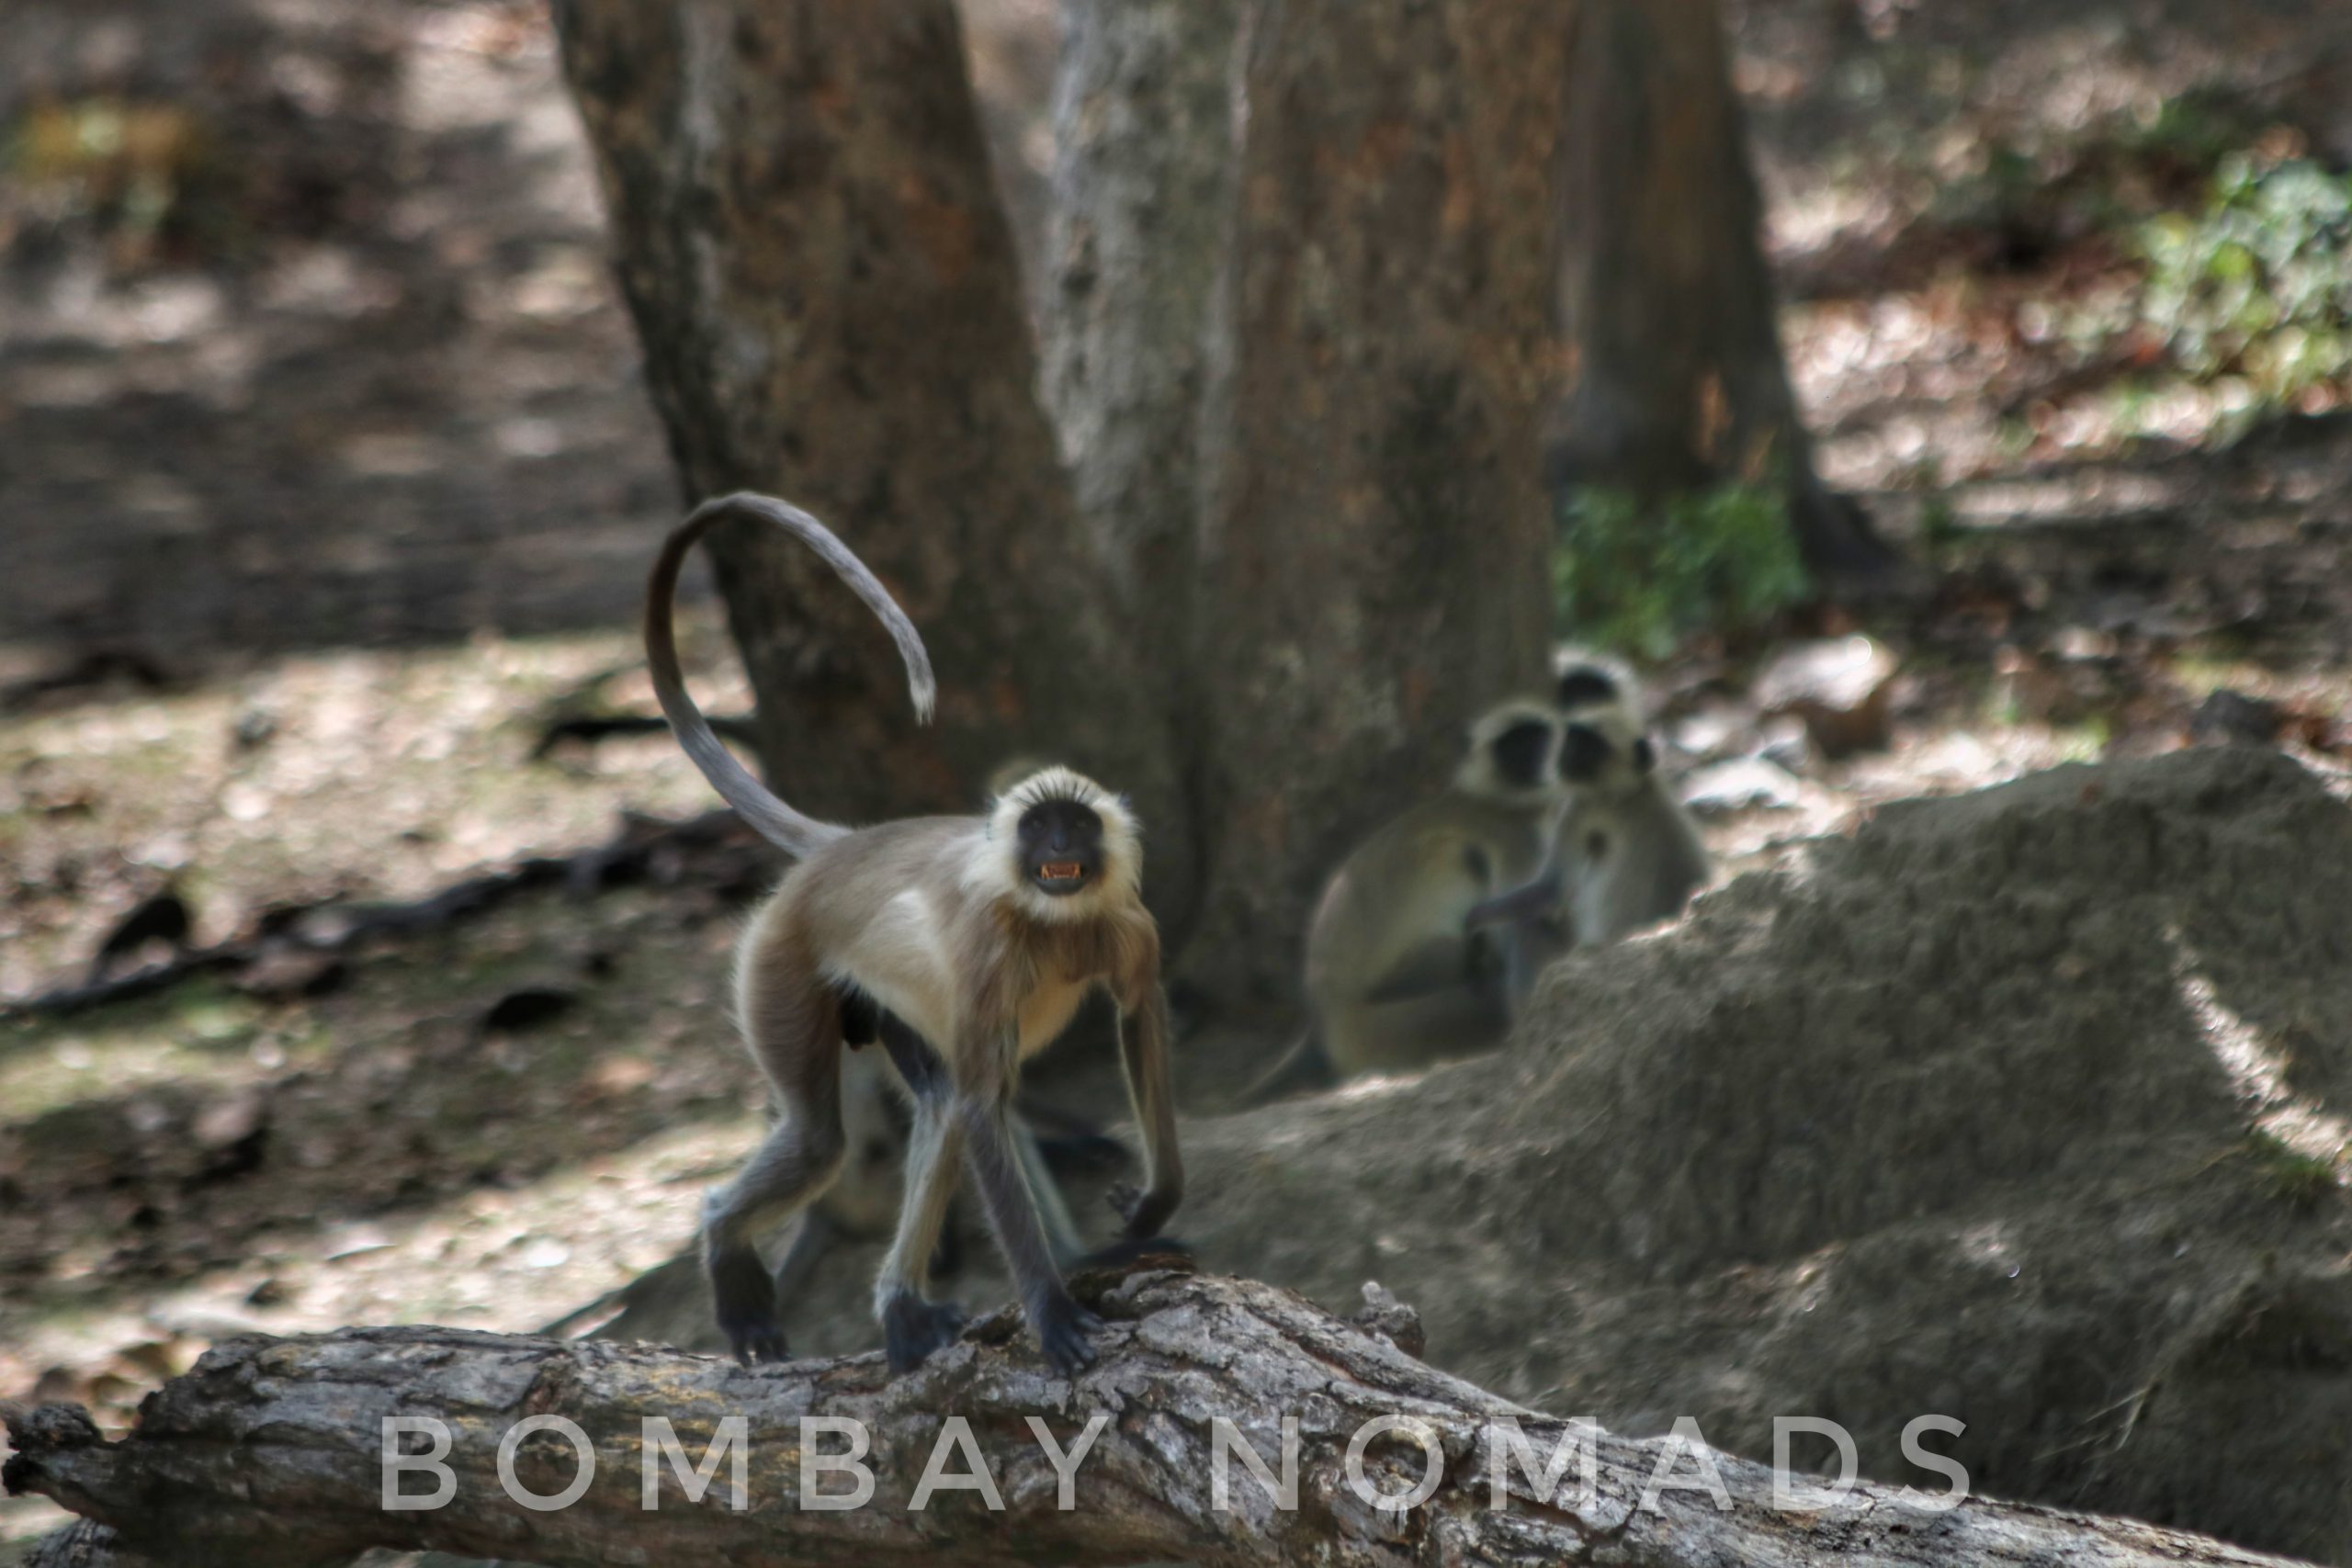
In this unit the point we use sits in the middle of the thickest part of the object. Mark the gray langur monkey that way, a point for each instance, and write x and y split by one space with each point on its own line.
862 1204
1583 679
1584 683
1625 855
962 945
1393 977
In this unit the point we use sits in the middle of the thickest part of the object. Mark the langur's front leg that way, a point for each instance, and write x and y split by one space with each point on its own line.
989 1143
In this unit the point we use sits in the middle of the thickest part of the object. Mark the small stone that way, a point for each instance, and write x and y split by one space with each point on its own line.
1384 1315
1744 783
1715 730
230 1120
254 727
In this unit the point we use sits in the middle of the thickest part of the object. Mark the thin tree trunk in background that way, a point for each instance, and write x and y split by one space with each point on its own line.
1677 380
1143 120
1375 553
826 290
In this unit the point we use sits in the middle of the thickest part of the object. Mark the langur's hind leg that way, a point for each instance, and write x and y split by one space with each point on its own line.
793 1024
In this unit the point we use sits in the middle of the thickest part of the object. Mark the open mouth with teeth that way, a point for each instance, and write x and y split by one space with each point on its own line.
1061 875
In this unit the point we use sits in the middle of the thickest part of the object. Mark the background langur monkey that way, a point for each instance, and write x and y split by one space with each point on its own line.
1583 679
1585 682
963 944
1394 978
1626 854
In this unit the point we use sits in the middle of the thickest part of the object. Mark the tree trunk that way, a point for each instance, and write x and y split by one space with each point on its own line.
827 293
1376 536
1677 377
1142 126
270 1455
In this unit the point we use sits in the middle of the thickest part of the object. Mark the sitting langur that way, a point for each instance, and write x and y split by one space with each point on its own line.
1583 679
1584 683
1394 979
963 944
1626 856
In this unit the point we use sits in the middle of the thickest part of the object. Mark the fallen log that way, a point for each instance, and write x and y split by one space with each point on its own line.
273 1452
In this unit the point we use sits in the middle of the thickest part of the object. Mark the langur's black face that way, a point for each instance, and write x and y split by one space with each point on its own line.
1519 753
1584 752
1061 846
1584 686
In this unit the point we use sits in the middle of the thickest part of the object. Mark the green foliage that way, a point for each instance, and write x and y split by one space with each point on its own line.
2258 286
143 173
1642 575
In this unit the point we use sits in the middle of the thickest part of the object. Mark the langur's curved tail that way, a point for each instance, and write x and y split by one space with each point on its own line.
1303 1065
792 831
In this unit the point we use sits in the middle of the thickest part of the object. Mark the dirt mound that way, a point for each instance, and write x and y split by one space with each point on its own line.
2022 1108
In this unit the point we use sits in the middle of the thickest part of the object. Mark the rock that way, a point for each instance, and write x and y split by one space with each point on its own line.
1839 687
254 727
2005 1108
2228 717
1741 784
1717 730
1786 744
230 1120
1383 1314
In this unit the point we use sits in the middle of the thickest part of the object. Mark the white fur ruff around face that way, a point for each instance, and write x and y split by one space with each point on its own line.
995 868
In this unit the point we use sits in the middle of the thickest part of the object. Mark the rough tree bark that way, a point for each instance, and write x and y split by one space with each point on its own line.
1143 124
270 1455
827 293
1376 536
1677 380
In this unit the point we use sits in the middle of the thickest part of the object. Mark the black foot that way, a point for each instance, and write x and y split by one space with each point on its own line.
912 1328
745 1296
1062 1326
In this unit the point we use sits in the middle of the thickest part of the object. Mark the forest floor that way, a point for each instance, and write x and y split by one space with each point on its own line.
328 476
